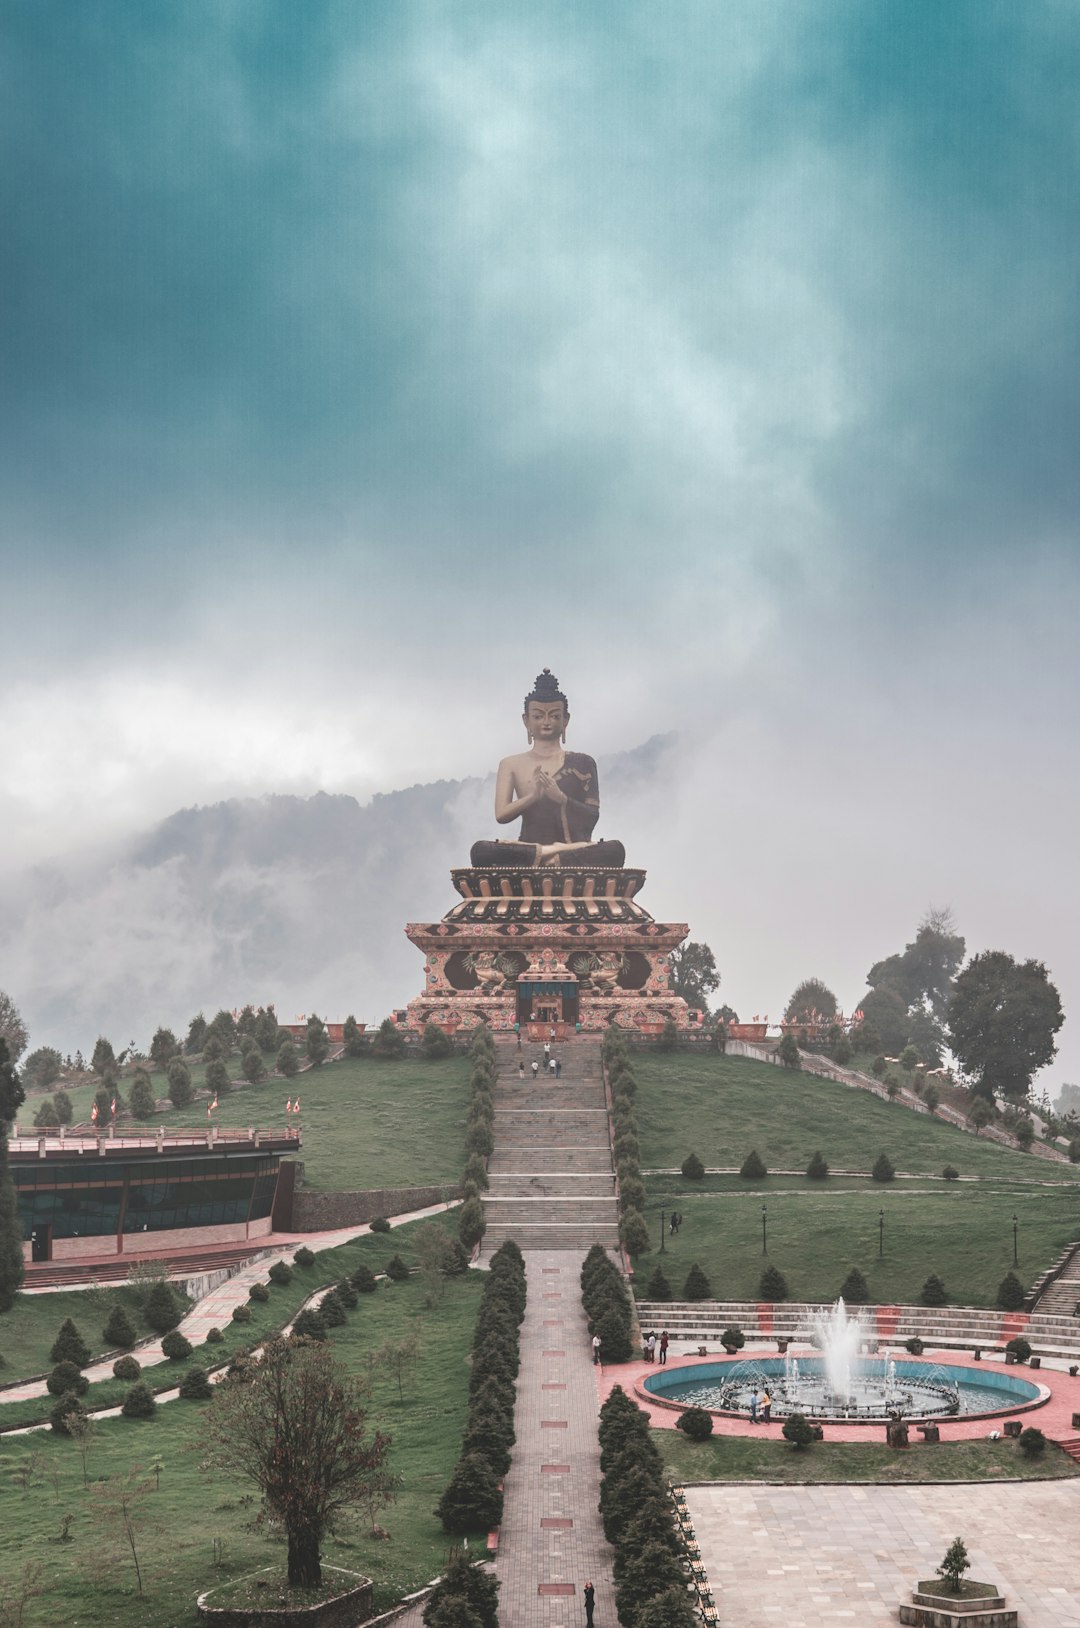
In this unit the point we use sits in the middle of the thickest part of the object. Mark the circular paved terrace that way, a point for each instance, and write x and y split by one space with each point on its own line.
1053 1416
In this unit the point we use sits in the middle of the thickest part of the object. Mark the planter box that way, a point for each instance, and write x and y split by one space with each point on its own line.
941 1611
353 1606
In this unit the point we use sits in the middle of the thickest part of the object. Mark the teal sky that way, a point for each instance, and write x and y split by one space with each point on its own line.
358 360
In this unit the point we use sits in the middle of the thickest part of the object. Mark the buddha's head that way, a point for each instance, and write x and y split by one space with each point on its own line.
547 711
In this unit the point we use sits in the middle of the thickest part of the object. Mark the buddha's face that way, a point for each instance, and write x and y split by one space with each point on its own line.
546 720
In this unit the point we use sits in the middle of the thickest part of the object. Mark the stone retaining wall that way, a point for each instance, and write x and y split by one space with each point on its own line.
325 1212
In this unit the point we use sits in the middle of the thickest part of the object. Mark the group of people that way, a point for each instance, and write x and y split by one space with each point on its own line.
760 1406
654 1348
552 1066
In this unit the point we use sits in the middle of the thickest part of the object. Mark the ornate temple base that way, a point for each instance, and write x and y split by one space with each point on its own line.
562 947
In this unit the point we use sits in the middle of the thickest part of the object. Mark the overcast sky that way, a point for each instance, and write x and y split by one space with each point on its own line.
357 361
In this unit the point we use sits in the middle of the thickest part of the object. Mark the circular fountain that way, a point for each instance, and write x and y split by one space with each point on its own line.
842 1384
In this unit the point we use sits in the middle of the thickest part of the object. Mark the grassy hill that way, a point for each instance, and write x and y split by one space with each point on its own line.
720 1108
365 1123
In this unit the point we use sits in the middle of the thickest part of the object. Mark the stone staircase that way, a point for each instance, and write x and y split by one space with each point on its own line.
1061 1297
551 1183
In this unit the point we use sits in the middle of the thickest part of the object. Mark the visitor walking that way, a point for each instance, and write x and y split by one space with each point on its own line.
535 1068
521 1068
753 1405
551 1067
588 1594
558 1068
547 1051
596 1350
766 1407
663 1347
652 1347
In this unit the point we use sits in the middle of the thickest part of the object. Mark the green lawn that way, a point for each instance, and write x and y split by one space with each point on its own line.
721 1107
28 1330
816 1233
746 1459
365 1123
85 1583
375 1249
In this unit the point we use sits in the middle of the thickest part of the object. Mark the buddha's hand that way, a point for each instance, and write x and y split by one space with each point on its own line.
546 787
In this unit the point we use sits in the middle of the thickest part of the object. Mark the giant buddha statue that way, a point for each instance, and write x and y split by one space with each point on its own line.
555 794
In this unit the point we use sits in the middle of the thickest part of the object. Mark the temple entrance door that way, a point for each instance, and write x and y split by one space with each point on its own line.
41 1243
547 1011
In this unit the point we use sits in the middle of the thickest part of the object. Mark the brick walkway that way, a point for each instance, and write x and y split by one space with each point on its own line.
551 1538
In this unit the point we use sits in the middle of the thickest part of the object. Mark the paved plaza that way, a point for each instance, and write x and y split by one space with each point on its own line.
804 1557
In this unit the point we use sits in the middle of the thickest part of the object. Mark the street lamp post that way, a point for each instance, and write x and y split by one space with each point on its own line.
764 1235
880 1233
1015 1256
663 1229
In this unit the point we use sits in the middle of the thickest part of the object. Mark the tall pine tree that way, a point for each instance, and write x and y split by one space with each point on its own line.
11 1255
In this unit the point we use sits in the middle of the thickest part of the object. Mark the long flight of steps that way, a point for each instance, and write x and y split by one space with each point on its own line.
551 1180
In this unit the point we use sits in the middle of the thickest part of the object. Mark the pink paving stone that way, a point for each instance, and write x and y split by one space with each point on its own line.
551 1271
554 1424
554 1469
553 1385
555 1588
555 1523
553 1322
553 1297
553 1353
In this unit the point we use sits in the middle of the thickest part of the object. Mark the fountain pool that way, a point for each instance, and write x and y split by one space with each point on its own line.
843 1384
878 1387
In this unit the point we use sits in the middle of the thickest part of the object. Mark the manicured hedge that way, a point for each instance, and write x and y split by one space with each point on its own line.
472 1501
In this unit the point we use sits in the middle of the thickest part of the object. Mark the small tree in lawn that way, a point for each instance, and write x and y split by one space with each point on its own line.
955 1564
398 1358
122 1511
251 1068
817 1169
69 1346
659 1287
295 1424
316 1041
103 1059
788 1052
634 1233
288 1059
163 1048
753 1166
180 1088
1010 1295
435 1042
389 1042
692 1167
854 1289
883 1169
773 1285
697 1286
798 1431
932 1097
141 1099
352 1038
934 1292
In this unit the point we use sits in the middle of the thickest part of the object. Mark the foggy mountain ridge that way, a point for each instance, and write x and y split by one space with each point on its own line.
296 900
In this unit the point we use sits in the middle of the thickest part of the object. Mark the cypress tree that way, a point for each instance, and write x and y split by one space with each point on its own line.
11 1255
